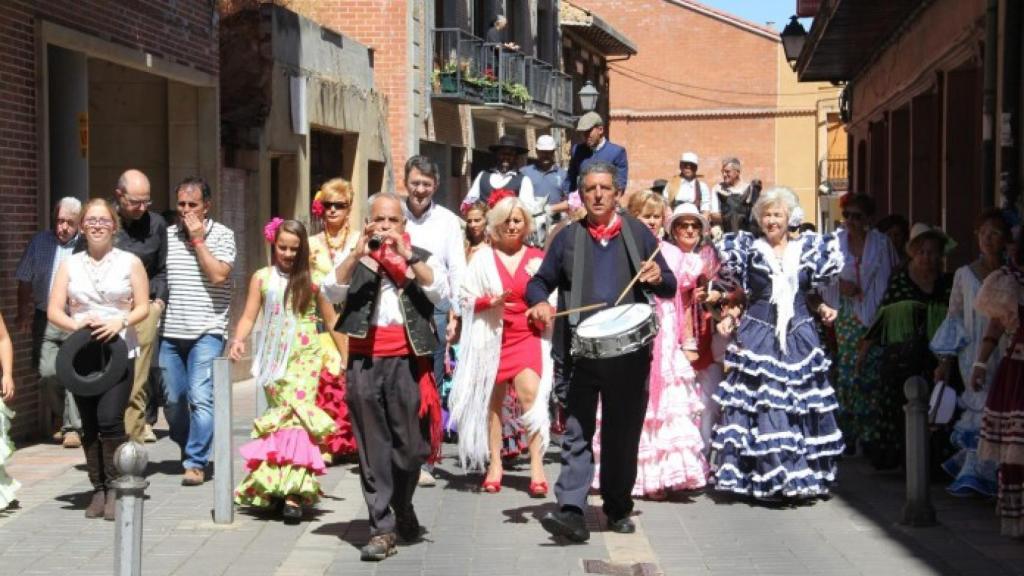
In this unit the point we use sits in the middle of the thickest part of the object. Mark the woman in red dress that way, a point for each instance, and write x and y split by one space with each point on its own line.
499 347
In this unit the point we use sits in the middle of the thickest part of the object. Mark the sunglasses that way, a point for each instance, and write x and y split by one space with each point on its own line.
336 205
848 215
688 225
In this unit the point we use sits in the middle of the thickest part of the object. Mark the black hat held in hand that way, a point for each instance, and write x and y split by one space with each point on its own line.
88 367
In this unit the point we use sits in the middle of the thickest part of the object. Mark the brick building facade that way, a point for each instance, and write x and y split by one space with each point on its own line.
715 84
82 81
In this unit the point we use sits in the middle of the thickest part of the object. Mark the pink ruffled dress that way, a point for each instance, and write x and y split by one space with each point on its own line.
284 458
670 455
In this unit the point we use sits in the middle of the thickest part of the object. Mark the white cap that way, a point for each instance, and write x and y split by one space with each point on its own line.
545 143
689 158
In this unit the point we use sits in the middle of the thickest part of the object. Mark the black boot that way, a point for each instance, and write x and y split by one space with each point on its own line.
110 472
94 467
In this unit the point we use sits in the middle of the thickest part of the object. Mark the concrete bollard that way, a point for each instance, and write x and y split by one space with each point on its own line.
223 444
918 510
130 459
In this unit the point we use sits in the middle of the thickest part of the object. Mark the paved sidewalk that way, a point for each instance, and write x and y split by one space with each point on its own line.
855 532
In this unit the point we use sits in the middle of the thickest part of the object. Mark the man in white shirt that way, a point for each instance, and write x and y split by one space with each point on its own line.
505 175
686 187
438 231
392 288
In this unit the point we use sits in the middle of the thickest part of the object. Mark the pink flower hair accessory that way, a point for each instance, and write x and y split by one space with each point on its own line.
270 229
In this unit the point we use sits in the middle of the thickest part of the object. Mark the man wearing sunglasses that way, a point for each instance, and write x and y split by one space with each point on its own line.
200 255
144 234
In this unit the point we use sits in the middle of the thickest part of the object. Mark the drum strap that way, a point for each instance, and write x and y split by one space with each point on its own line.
633 253
580 246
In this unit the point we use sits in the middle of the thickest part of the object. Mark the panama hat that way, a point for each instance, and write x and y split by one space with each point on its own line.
687 210
511 142
88 367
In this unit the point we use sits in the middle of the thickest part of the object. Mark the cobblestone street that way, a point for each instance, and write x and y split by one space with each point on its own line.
467 532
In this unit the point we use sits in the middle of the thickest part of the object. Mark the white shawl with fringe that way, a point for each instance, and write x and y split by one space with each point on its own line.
479 356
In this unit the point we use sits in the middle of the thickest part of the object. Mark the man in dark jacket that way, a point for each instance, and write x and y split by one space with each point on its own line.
595 147
613 247
392 288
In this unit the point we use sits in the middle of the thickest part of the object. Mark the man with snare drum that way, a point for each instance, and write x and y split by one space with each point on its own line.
605 349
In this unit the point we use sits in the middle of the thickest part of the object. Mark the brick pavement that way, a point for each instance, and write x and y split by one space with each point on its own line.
471 533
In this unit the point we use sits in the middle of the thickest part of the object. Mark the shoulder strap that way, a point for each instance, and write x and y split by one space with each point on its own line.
632 252
578 257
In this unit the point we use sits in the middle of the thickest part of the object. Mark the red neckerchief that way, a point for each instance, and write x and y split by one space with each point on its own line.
392 263
602 232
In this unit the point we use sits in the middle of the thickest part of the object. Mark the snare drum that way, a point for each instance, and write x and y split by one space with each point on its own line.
615 332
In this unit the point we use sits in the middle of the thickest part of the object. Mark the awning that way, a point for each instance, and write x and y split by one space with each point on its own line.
846 34
594 30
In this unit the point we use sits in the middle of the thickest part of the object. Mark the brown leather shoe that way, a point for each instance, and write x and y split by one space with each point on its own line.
96 505
72 440
193 477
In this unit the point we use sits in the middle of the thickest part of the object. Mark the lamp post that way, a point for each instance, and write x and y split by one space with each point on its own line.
793 37
588 97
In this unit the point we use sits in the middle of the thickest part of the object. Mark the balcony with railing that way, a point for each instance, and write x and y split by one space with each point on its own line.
470 71
834 174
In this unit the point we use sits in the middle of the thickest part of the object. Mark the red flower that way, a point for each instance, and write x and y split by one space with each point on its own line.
499 195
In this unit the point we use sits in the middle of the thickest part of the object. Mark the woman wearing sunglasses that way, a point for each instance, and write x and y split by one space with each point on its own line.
332 205
870 259
105 289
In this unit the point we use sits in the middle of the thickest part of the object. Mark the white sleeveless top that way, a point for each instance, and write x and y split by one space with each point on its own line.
102 289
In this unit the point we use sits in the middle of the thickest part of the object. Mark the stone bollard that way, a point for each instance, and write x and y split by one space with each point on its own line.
223 444
130 459
918 510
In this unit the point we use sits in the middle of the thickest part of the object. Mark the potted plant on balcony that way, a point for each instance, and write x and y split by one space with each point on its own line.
486 85
515 93
445 78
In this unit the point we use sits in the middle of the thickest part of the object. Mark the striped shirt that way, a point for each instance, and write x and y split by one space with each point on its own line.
39 263
195 306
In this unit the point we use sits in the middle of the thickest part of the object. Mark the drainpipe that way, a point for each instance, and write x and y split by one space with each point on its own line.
988 105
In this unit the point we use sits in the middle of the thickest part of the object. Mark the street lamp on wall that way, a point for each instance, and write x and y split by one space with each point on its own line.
793 37
588 97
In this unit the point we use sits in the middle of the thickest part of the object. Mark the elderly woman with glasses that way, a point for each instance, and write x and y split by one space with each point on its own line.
869 259
106 290
332 205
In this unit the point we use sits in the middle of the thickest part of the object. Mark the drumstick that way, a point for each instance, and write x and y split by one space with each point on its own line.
586 308
637 277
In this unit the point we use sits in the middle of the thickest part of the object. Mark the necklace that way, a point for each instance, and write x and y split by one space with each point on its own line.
334 245
96 270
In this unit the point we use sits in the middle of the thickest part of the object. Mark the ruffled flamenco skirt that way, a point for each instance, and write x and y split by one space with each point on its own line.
284 459
1002 441
330 398
8 486
777 436
670 455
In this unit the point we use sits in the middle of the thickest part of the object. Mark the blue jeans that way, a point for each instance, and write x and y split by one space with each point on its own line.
187 368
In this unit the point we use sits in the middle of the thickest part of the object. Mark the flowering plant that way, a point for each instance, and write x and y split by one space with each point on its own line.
270 229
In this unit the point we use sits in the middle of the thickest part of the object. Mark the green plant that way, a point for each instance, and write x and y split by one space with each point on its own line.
517 91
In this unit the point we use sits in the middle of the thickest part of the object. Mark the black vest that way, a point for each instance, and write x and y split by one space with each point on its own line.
418 311
486 189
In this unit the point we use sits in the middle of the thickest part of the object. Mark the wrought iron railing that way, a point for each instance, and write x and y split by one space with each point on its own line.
834 171
540 81
457 72
563 98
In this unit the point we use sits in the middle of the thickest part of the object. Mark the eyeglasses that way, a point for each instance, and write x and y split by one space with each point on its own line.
336 205
848 215
98 222
687 225
138 203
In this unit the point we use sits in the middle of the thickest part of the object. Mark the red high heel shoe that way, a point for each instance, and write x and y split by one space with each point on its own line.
492 487
538 489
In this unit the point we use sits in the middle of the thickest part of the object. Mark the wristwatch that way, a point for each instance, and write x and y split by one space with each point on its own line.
413 260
